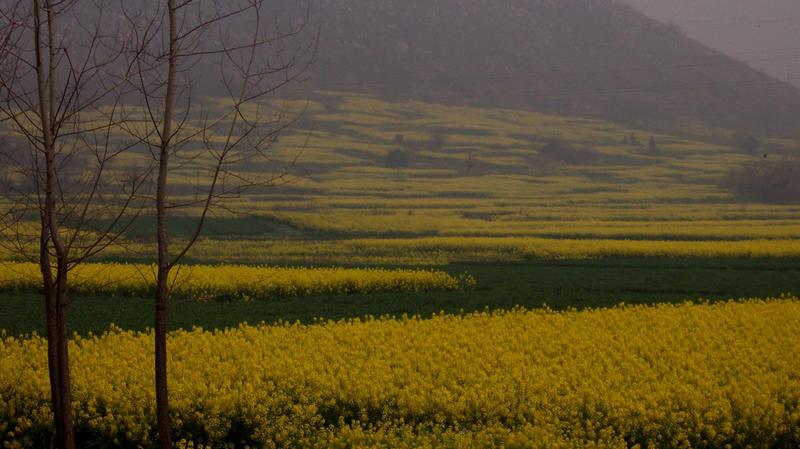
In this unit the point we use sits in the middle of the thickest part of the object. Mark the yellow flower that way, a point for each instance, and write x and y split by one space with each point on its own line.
206 282
706 375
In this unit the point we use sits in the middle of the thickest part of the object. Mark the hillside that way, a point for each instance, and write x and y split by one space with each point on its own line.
766 37
593 58
361 168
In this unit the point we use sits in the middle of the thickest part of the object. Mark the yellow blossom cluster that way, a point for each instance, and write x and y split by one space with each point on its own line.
721 375
236 281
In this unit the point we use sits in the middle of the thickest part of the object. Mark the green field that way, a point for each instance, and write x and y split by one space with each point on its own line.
558 284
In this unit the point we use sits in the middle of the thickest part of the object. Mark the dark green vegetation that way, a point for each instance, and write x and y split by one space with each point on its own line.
564 284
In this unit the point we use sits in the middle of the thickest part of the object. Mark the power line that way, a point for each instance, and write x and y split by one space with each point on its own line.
746 21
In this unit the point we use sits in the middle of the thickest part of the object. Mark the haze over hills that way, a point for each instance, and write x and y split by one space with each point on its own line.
765 33
594 58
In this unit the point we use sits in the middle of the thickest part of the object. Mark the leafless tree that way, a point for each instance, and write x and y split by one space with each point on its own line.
68 185
250 54
98 95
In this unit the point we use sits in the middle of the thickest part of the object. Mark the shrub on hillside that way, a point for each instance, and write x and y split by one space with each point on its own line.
766 181
398 158
746 143
652 146
557 152
474 165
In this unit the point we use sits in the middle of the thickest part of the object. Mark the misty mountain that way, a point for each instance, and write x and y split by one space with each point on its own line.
593 58
764 34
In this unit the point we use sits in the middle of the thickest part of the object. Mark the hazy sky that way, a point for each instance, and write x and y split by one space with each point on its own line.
763 33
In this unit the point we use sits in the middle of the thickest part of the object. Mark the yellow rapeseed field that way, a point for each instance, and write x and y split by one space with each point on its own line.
724 375
444 250
244 282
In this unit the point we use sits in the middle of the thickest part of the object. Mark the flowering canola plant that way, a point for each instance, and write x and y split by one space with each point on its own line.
721 375
247 282
444 250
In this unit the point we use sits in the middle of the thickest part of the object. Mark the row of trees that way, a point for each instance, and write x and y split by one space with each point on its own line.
101 103
652 146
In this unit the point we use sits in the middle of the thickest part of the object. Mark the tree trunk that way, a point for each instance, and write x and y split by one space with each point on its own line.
51 313
55 294
162 391
55 290
65 387
164 266
52 359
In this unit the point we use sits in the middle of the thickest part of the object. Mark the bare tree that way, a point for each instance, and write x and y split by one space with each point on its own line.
98 95
254 54
68 183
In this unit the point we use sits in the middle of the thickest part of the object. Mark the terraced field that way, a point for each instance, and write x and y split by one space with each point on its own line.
471 172
356 167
